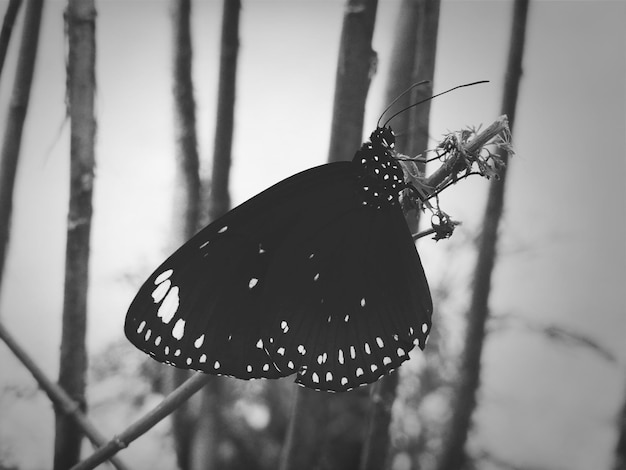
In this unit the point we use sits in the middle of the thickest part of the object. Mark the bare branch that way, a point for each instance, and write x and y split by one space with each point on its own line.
57 395
141 426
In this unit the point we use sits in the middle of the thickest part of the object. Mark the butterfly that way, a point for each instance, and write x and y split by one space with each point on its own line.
316 276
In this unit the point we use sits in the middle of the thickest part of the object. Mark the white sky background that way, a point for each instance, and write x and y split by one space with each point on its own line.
563 252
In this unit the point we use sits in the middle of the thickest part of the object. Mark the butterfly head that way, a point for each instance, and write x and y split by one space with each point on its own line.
383 136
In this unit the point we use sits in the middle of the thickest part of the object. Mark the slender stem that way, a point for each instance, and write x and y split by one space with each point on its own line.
141 426
57 395
454 165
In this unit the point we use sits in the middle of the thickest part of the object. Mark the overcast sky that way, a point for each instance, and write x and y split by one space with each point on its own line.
562 254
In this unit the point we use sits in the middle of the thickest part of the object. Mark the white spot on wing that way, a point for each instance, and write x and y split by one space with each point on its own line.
379 342
179 329
363 302
281 351
197 343
169 306
352 352
344 380
359 372
216 365
203 358
253 282
163 276
315 378
141 326
223 229
424 328
386 360
161 290
329 377
340 358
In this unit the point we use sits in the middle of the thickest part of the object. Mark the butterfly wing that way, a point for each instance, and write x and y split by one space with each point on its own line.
359 300
201 309
301 278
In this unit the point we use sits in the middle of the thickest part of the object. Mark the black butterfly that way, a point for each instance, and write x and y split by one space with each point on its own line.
317 275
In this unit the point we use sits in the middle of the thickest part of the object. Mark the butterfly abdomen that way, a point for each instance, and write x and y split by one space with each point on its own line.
381 178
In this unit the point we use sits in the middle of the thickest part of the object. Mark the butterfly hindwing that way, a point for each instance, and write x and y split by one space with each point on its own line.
360 301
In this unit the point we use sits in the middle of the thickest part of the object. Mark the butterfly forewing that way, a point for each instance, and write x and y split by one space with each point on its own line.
201 308
318 275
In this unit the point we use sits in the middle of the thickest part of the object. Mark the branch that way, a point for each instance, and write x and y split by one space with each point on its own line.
458 161
463 153
557 333
141 426
57 395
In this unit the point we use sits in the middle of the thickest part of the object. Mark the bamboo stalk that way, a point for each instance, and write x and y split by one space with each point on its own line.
80 17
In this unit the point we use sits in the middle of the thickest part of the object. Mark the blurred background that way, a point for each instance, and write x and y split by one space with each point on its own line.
553 366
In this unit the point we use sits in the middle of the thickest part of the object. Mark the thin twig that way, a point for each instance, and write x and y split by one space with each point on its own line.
556 333
455 165
167 406
57 395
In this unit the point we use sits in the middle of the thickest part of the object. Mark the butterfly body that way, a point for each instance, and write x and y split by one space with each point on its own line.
317 275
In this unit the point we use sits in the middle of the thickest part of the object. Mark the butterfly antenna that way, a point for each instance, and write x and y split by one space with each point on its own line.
426 99
423 82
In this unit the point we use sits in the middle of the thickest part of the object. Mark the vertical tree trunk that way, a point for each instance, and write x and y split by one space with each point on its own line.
424 69
620 447
15 120
229 50
453 455
210 432
328 431
187 196
186 202
413 59
7 29
80 17
355 68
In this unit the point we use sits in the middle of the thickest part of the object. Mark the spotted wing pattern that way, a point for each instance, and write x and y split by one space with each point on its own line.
317 276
